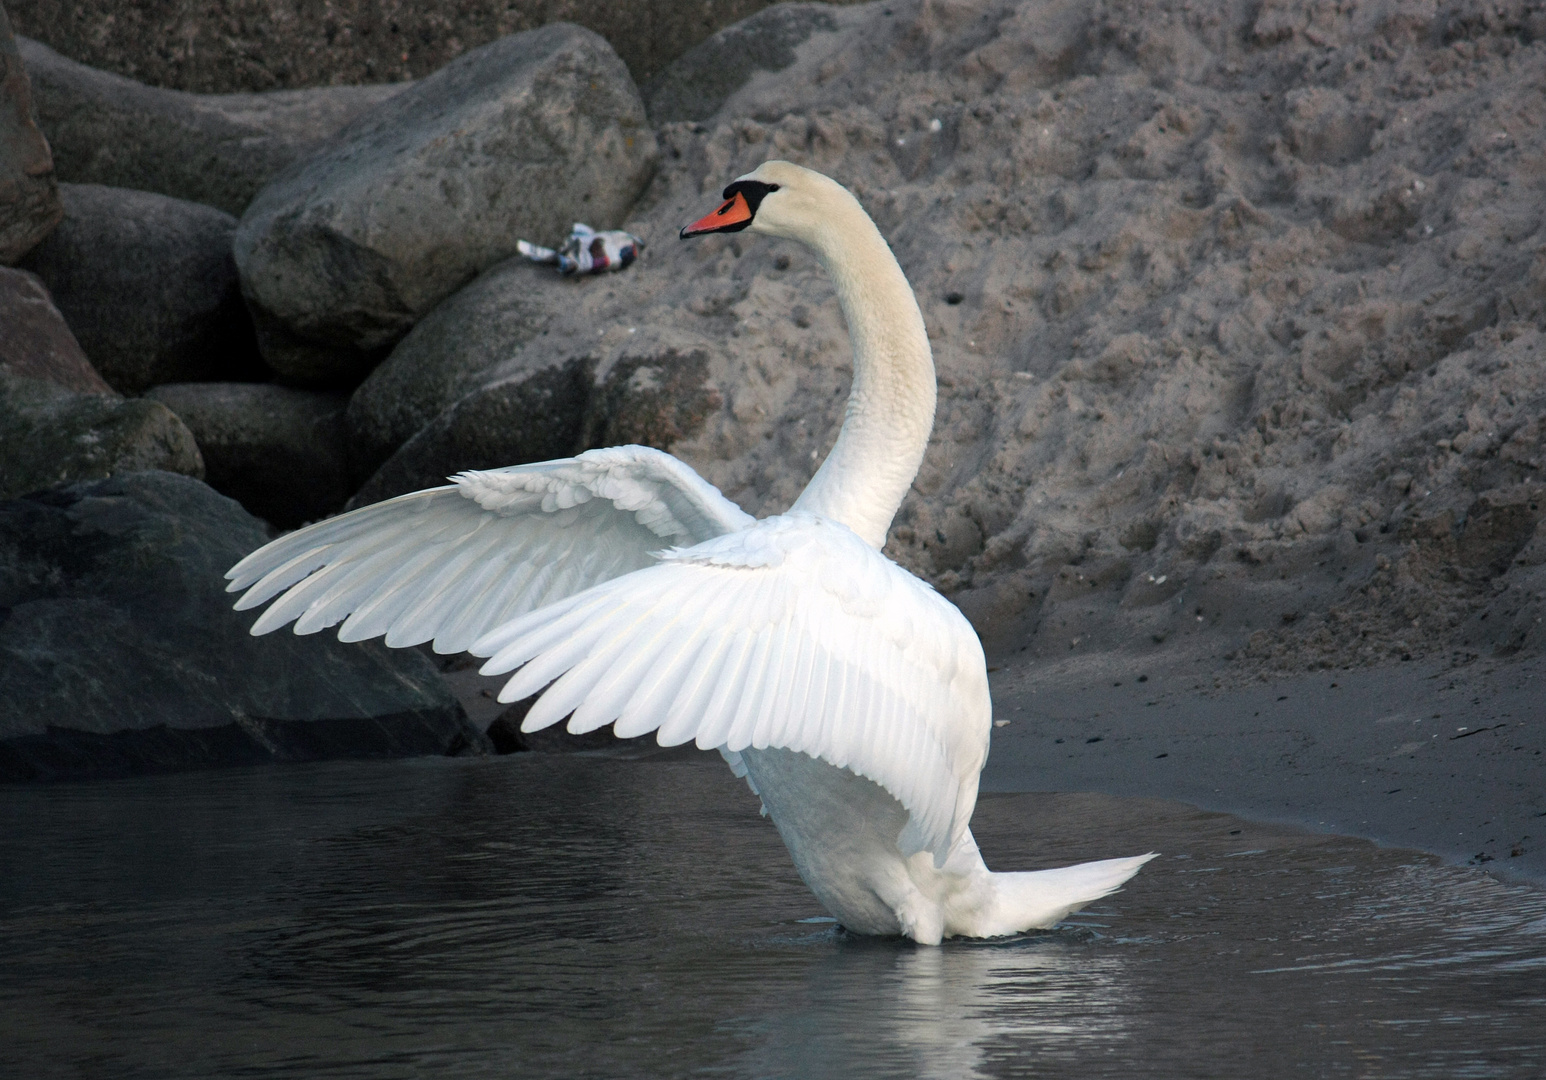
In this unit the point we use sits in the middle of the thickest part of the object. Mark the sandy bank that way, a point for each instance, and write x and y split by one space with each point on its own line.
1450 760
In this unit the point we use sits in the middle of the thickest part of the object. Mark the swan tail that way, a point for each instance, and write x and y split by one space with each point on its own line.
1037 899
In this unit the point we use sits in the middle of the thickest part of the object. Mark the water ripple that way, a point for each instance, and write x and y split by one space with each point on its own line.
561 917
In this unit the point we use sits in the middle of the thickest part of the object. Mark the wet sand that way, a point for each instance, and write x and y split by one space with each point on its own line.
1418 755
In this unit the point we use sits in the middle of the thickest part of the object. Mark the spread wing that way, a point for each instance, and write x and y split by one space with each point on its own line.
451 563
792 633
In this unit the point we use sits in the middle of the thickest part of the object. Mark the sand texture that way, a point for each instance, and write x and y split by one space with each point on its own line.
1416 755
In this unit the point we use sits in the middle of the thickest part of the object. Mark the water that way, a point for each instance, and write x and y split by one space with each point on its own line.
541 916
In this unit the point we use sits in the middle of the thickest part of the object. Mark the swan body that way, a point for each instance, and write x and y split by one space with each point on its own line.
851 696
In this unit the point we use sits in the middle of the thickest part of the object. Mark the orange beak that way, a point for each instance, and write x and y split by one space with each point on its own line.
734 214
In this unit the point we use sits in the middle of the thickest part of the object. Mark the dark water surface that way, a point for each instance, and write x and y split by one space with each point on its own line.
542 916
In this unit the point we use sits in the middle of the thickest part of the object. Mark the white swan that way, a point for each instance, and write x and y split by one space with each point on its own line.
852 697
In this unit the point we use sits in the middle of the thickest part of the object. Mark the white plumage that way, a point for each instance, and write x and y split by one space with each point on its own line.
450 563
778 635
852 697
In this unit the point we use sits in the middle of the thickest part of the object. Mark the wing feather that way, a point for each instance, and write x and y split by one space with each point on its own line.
374 615
317 596
817 698
759 708
622 679
749 701
449 586
480 587
691 705
270 569
517 641
793 633
448 564
613 649
537 674
728 684
559 700
647 710
281 577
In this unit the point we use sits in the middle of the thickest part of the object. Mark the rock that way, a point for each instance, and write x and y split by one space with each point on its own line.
648 385
263 44
120 652
448 354
1499 525
29 199
51 436
279 452
148 284
309 363
535 415
515 140
35 341
217 149
655 392
463 375
694 86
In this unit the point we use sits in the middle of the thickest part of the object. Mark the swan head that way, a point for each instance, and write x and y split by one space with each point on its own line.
779 198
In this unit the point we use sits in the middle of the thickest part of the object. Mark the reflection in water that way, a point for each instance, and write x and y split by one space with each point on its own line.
873 1008
544 916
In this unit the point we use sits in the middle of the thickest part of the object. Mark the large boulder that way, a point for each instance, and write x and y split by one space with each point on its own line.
50 436
29 200
532 415
59 422
649 385
148 284
36 342
448 354
120 652
278 451
217 149
514 140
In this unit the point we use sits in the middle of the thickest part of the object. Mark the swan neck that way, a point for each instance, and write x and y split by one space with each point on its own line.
890 409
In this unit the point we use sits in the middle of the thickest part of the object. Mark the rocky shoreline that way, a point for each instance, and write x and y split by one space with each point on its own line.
1237 313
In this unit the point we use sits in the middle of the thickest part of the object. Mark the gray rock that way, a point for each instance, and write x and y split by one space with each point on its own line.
279 452
148 284
517 139
531 416
51 436
650 386
696 84
655 391
29 200
309 363
217 149
120 653
450 352
35 341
